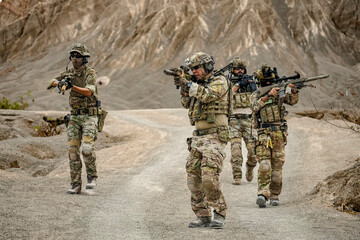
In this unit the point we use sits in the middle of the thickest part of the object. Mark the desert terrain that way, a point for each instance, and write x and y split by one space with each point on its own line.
142 191
141 154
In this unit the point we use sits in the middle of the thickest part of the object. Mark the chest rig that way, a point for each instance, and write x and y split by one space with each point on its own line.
208 111
271 112
241 98
77 100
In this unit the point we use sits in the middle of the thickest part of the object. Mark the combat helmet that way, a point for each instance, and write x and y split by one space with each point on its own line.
201 58
238 62
265 74
80 48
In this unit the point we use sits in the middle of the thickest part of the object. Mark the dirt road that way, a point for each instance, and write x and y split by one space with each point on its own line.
142 192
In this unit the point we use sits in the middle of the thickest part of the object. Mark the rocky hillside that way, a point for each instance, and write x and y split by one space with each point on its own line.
132 41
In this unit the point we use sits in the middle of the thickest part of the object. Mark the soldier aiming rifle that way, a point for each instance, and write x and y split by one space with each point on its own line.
267 104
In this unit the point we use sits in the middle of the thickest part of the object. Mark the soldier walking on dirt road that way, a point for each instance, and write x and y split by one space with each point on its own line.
206 98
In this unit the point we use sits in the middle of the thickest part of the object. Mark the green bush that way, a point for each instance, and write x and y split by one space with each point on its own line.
22 105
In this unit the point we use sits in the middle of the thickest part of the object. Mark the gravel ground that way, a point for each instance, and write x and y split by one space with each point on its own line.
142 192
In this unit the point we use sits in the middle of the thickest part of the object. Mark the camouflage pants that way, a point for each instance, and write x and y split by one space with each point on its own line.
82 131
241 129
271 161
203 167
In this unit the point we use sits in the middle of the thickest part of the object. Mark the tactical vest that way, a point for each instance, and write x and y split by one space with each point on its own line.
241 99
77 100
208 111
271 112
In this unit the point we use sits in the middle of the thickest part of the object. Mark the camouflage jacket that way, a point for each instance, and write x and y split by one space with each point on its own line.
208 101
271 111
85 77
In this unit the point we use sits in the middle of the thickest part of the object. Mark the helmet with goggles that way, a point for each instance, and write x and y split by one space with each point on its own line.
199 59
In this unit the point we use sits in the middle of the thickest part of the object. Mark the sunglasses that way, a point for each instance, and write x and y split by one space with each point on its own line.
195 67
238 68
75 55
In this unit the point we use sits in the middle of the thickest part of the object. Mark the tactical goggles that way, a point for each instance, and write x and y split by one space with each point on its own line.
75 55
238 68
195 67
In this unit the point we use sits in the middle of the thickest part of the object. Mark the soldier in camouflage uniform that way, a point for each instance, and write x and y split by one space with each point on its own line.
207 100
240 123
270 121
82 127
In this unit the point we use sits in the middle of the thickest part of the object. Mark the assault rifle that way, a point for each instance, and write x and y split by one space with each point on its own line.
224 69
57 121
244 82
176 72
64 84
284 81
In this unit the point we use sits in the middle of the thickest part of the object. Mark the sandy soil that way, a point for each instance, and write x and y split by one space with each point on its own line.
142 192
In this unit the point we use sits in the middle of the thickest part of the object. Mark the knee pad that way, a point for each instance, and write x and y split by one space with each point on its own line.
265 166
73 154
276 176
208 182
86 151
236 149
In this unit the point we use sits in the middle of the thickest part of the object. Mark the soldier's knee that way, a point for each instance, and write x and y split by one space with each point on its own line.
73 154
276 176
86 150
236 149
265 166
208 182
209 178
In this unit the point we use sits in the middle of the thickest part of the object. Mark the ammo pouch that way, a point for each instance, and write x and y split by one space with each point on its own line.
101 119
193 151
272 113
223 134
189 141
242 99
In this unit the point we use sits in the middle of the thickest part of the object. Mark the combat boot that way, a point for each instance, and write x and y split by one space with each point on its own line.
249 173
91 182
261 201
237 181
200 222
75 188
274 202
218 222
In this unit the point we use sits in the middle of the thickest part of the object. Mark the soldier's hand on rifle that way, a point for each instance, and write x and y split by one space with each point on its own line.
235 88
54 84
293 88
274 92
185 85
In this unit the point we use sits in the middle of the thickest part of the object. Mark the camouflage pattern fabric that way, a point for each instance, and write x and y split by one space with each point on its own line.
241 129
82 131
203 175
271 161
84 77
270 147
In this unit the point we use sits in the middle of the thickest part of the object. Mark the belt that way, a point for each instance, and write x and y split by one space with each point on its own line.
241 116
274 127
87 111
205 131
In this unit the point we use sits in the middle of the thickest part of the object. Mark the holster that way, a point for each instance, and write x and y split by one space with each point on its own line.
101 119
